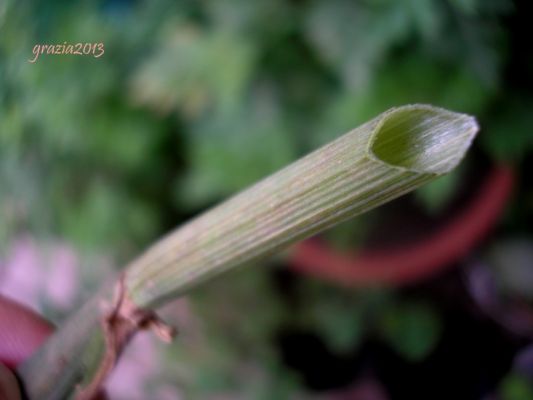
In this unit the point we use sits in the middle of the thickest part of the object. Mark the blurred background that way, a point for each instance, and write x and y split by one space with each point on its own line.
193 101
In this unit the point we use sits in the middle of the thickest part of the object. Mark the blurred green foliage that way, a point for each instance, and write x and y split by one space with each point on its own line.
412 329
194 100
516 387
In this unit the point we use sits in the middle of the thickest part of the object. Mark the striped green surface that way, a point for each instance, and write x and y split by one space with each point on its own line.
391 155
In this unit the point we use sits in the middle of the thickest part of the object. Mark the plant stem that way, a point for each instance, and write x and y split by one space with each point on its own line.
387 157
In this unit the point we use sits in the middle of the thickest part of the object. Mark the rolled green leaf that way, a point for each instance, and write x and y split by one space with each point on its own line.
385 158
391 155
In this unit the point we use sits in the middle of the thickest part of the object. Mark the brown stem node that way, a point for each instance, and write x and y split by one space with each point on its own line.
119 325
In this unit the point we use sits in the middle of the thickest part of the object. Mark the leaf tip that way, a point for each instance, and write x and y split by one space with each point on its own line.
423 138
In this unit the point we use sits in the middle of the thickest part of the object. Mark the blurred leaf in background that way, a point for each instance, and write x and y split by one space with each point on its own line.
516 387
412 329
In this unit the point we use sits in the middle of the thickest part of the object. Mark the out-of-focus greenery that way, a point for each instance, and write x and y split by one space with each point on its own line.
194 100
516 387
